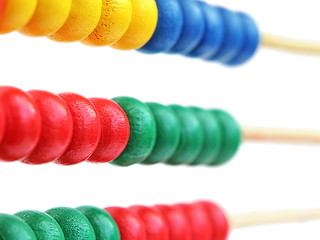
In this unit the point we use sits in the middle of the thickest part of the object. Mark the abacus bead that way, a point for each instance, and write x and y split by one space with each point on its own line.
231 136
213 35
192 28
23 124
104 226
16 14
48 18
74 225
252 40
191 138
217 220
83 18
2 121
86 129
234 37
130 226
56 131
142 131
176 220
155 225
115 130
114 22
2 8
142 26
43 225
212 136
14 228
168 133
168 29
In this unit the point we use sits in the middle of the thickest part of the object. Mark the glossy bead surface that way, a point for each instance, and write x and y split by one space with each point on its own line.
2 121
14 228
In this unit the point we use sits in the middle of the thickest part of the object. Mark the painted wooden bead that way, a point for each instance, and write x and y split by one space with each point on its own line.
23 124
191 138
169 27
178 225
2 8
57 128
2 121
14 228
74 225
114 22
168 133
155 225
231 136
43 225
86 129
130 225
48 18
83 19
142 131
16 14
104 226
115 130
142 26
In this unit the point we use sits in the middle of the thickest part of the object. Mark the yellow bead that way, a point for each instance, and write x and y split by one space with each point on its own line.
48 18
83 18
114 22
17 14
143 24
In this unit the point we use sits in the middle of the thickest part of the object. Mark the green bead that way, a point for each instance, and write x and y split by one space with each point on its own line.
42 224
104 226
14 228
231 136
74 225
168 134
191 138
212 135
142 131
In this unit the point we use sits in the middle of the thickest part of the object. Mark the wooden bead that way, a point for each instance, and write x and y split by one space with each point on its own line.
86 129
130 225
43 225
2 8
168 133
56 131
155 224
115 130
142 131
114 22
74 225
16 14
14 228
2 121
23 124
83 19
48 18
104 226
142 26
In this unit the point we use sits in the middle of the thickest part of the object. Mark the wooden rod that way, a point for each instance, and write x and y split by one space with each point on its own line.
291 45
265 218
257 134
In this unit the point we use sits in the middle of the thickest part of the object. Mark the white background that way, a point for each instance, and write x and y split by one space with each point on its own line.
274 89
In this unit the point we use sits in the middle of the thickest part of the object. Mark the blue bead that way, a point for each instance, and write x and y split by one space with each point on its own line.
213 34
252 41
169 27
192 29
234 37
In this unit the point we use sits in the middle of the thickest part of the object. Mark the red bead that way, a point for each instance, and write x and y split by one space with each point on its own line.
154 222
56 129
2 121
200 226
217 218
179 227
86 129
23 124
129 224
115 130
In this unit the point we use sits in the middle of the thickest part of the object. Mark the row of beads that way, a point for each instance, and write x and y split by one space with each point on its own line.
38 127
187 27
197 221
